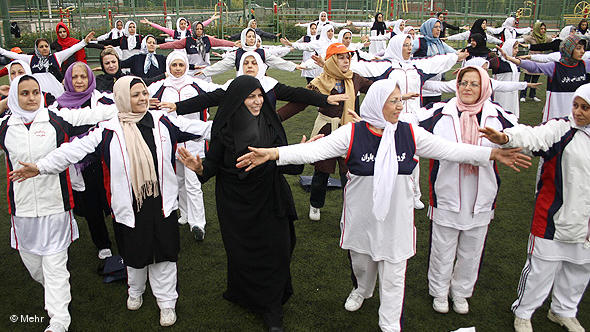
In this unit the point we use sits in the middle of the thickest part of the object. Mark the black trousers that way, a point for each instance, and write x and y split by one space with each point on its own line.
319 187
91 204
309 79
530 79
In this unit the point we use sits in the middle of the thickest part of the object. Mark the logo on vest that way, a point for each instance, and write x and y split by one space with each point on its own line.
401 157
568 79
40 133
368 158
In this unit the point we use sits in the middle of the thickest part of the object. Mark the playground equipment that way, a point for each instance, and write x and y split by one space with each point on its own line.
581 10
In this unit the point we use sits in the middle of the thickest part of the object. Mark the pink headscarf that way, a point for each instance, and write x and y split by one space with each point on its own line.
468 118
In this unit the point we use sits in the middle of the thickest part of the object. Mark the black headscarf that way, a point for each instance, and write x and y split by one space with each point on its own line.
480 50
476 28
583 31
379 26
263 130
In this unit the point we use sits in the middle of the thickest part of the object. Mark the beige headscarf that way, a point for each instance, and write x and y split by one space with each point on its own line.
327 81
143 173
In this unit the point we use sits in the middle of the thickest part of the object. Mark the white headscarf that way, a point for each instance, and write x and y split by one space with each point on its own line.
394 48
565 32
320 18
243 40
584 93
342 33
177 82
250 23
408 28
267 82
476 61
396 25
509 23
309 31
150 58
508 47
258 39
116 33
25 65
131 41
386 163
14 107
181 33
324 34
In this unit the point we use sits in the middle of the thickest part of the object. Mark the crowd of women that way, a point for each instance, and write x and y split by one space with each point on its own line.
136 142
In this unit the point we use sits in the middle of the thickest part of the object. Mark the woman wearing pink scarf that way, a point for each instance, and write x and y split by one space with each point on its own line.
462 196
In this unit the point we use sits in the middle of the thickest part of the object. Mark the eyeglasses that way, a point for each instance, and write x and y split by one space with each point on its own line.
396 101
407 45
465 84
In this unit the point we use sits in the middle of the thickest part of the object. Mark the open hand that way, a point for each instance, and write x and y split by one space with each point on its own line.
355 116
170 106
336 99
493 135
319 60
28 170
410 95
257 156
4 89
192 162
533 85
511 158
89 37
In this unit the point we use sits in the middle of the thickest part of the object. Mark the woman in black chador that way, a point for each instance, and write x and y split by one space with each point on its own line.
255 208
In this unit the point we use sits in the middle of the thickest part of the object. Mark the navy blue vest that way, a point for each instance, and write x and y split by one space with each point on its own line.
422 50
125 46
191 45
364 145
54 67
566 78
240 52
177 34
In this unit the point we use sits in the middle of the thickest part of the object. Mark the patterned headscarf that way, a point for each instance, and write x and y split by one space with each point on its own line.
566 48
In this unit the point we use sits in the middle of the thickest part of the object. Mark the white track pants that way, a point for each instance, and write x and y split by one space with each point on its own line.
569 280
162 280
51 272
391 287
447 244
190 196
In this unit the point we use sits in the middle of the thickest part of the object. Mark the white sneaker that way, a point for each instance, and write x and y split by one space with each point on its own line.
104 253
182 220
536 99
55 327
418 205
314 213
134 303
522 325
440 304
354 301
570 323
167 316
460 305
523 100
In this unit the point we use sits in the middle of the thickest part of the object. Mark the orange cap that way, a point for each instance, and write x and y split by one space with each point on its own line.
336 48
16 50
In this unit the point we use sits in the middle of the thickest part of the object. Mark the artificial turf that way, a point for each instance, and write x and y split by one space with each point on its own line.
320 269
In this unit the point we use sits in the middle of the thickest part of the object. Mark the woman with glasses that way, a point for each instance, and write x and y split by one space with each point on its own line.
463 197
397 61
377 218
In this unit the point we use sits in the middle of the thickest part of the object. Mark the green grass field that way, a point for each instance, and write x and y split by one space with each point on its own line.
320 269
